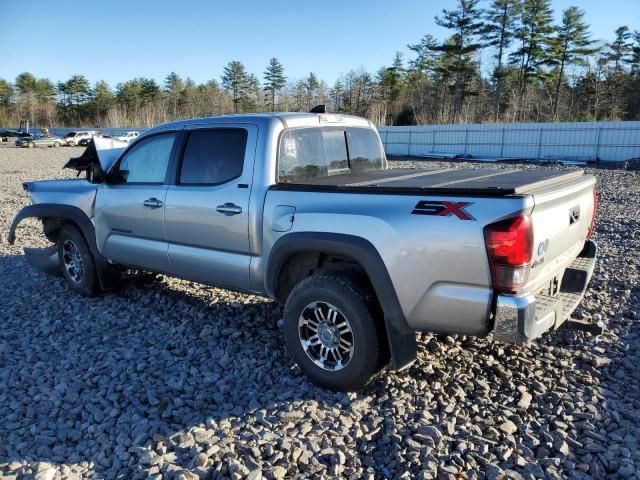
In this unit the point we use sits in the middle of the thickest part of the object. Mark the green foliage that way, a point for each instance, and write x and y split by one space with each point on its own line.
534 35
467 25
25 83
500 28
620 50
274 80
570 46
235 80
426 53
538 71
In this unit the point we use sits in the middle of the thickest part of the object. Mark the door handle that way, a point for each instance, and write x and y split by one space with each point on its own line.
152 202
229 209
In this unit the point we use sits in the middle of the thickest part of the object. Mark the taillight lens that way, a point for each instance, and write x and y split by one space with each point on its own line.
509 248
593 214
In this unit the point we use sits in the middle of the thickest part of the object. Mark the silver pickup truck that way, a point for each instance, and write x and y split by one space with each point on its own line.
302 208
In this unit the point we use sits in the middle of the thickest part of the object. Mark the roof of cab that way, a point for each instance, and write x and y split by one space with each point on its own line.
286 119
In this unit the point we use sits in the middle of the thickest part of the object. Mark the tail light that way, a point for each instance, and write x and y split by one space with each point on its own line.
509 248
593 214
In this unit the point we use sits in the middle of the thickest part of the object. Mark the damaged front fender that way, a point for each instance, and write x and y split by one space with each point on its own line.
45 260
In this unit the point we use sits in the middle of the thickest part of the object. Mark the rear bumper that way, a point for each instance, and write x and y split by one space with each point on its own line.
520 318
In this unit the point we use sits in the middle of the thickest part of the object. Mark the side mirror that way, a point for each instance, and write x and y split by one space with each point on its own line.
95 173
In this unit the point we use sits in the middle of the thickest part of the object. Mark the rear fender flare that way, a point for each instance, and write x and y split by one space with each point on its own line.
402 340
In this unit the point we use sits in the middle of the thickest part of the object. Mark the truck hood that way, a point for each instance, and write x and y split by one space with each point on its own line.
101 151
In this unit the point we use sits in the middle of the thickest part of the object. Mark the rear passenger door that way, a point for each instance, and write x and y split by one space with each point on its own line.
207 206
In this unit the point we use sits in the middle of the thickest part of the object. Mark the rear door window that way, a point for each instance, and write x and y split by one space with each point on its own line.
213 157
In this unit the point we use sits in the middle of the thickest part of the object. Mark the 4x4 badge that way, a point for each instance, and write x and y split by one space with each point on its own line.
443 209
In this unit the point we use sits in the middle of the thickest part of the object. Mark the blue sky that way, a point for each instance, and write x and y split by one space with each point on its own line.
119 40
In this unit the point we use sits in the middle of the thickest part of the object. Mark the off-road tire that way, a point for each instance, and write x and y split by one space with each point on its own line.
87 283
344 292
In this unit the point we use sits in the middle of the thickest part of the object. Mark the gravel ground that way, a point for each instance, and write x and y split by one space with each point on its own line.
177 380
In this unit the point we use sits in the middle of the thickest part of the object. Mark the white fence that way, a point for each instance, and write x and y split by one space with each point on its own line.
579 140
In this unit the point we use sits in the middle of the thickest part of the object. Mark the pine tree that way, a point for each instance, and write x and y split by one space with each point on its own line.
620 53
425 52
45 90
635 53
253 98
174 86
25 83
467 25
235 80
502 20
534 35
336 93
391 79
102 99
274 80
6 92
620 49
569 47
311 85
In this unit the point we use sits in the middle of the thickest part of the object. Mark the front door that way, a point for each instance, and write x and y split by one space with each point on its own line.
207 210
129 211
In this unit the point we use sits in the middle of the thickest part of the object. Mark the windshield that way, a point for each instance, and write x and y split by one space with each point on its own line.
307 153
70 135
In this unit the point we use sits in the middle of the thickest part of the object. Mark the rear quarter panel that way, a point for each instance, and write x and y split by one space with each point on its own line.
437 264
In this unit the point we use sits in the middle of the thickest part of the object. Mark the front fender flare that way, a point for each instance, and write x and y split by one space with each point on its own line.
108 276
402 340
52 210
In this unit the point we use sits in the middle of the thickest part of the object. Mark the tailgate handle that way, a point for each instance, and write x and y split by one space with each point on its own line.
574 215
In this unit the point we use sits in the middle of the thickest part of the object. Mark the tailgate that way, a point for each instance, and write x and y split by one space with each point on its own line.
562 216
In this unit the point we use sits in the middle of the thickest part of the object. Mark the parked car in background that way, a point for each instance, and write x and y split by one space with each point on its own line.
74 138
40 141
85 141
128 136
6 134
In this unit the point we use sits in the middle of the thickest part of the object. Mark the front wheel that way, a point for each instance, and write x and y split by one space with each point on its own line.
331 332
31 145
76 261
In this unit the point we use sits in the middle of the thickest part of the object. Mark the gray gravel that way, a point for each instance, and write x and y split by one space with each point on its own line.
177 380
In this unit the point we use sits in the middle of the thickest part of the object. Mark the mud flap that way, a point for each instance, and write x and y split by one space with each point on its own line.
44 260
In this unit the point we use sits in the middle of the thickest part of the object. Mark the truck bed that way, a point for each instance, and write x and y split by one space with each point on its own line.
447 181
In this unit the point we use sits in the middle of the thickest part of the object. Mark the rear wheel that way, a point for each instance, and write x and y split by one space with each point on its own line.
31 145
76 261
331 331
57 144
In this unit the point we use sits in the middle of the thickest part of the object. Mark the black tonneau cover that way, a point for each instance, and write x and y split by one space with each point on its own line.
449 181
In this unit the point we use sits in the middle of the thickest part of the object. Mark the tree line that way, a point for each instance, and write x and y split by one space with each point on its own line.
504 61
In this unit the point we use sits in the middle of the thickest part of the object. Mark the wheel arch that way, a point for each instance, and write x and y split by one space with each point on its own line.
291 247
57 215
